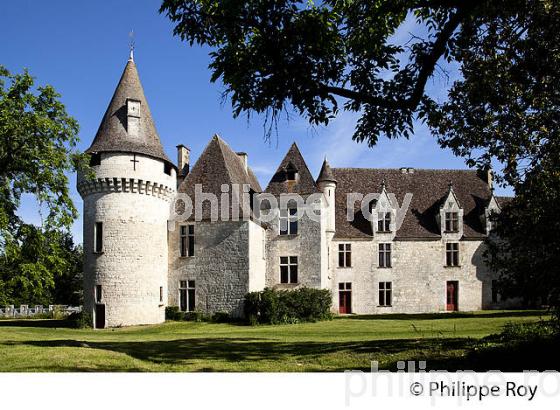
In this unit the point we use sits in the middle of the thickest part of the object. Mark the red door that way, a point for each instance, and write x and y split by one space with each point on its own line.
452 295
345 297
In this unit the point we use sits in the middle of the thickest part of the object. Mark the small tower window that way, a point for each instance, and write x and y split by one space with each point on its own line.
98 237
98 294
167 168
161 294
95 159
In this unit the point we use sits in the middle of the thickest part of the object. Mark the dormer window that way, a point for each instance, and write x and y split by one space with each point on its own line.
451 222
133 117
384 222
95 159
291 173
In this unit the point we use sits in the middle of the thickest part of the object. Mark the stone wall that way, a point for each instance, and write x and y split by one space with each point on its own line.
133 264
309 245
220 266
418 276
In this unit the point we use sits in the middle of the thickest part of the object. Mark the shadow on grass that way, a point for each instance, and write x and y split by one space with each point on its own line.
450 315
47 323
216 350
439 353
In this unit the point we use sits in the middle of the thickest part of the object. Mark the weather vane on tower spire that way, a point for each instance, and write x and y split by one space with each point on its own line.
131 45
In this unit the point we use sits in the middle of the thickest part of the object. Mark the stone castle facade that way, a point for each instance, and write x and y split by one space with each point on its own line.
140 259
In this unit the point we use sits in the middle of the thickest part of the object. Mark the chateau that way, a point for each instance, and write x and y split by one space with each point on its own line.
416 247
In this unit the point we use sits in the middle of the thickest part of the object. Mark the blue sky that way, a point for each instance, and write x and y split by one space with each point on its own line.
81 48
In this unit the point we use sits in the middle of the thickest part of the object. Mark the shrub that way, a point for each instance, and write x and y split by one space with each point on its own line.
173 313
287 306
221 317
195 316
80 320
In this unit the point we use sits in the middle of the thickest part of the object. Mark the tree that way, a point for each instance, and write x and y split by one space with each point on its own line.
40 267
529 258
503 106
37 149
320 56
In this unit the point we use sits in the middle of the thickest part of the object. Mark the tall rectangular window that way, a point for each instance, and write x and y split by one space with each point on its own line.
98 294
186 240
344 255
288 269
187 296
451 222
385 293
384 255
452 254
161 294
288 221
384 221
98 237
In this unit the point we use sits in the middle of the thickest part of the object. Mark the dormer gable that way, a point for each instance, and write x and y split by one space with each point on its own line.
384 214
450 218
492 208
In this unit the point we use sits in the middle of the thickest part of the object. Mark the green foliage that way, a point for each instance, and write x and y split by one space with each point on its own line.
221 317
37 151
319 57
80 320
41 267
526 247
194 316
288 306
172 313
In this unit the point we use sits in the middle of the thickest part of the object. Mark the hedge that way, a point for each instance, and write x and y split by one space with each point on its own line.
288 306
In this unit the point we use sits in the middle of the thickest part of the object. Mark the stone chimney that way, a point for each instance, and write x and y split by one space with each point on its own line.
183 160
244 159
490 178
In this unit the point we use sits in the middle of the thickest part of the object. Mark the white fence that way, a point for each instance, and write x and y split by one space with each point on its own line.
30 311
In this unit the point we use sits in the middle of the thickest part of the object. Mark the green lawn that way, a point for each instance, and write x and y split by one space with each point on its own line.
341 344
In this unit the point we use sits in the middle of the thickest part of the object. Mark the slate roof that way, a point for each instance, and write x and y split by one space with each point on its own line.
326 174
218 164
305 184
112 135
429 189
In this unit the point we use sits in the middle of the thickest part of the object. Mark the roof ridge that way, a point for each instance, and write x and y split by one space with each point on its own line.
398 169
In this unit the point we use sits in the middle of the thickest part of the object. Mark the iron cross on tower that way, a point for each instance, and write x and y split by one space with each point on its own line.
134 161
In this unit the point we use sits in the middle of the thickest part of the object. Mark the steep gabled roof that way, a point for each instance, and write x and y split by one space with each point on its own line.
428 188
218 164
112 135
326 174
305 184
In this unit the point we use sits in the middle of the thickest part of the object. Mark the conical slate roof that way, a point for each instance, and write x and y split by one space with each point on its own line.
326 174
112 135
305 184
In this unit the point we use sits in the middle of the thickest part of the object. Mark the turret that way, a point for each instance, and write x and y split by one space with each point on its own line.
327 184
126 207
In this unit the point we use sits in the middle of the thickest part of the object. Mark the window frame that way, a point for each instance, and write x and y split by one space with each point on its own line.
289 262
344 255
451 221
384 219
186 241
98 236
188 288
98 294
288 218
385 295
385 255
452 256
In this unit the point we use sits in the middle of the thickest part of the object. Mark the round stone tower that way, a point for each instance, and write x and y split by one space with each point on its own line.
126 207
